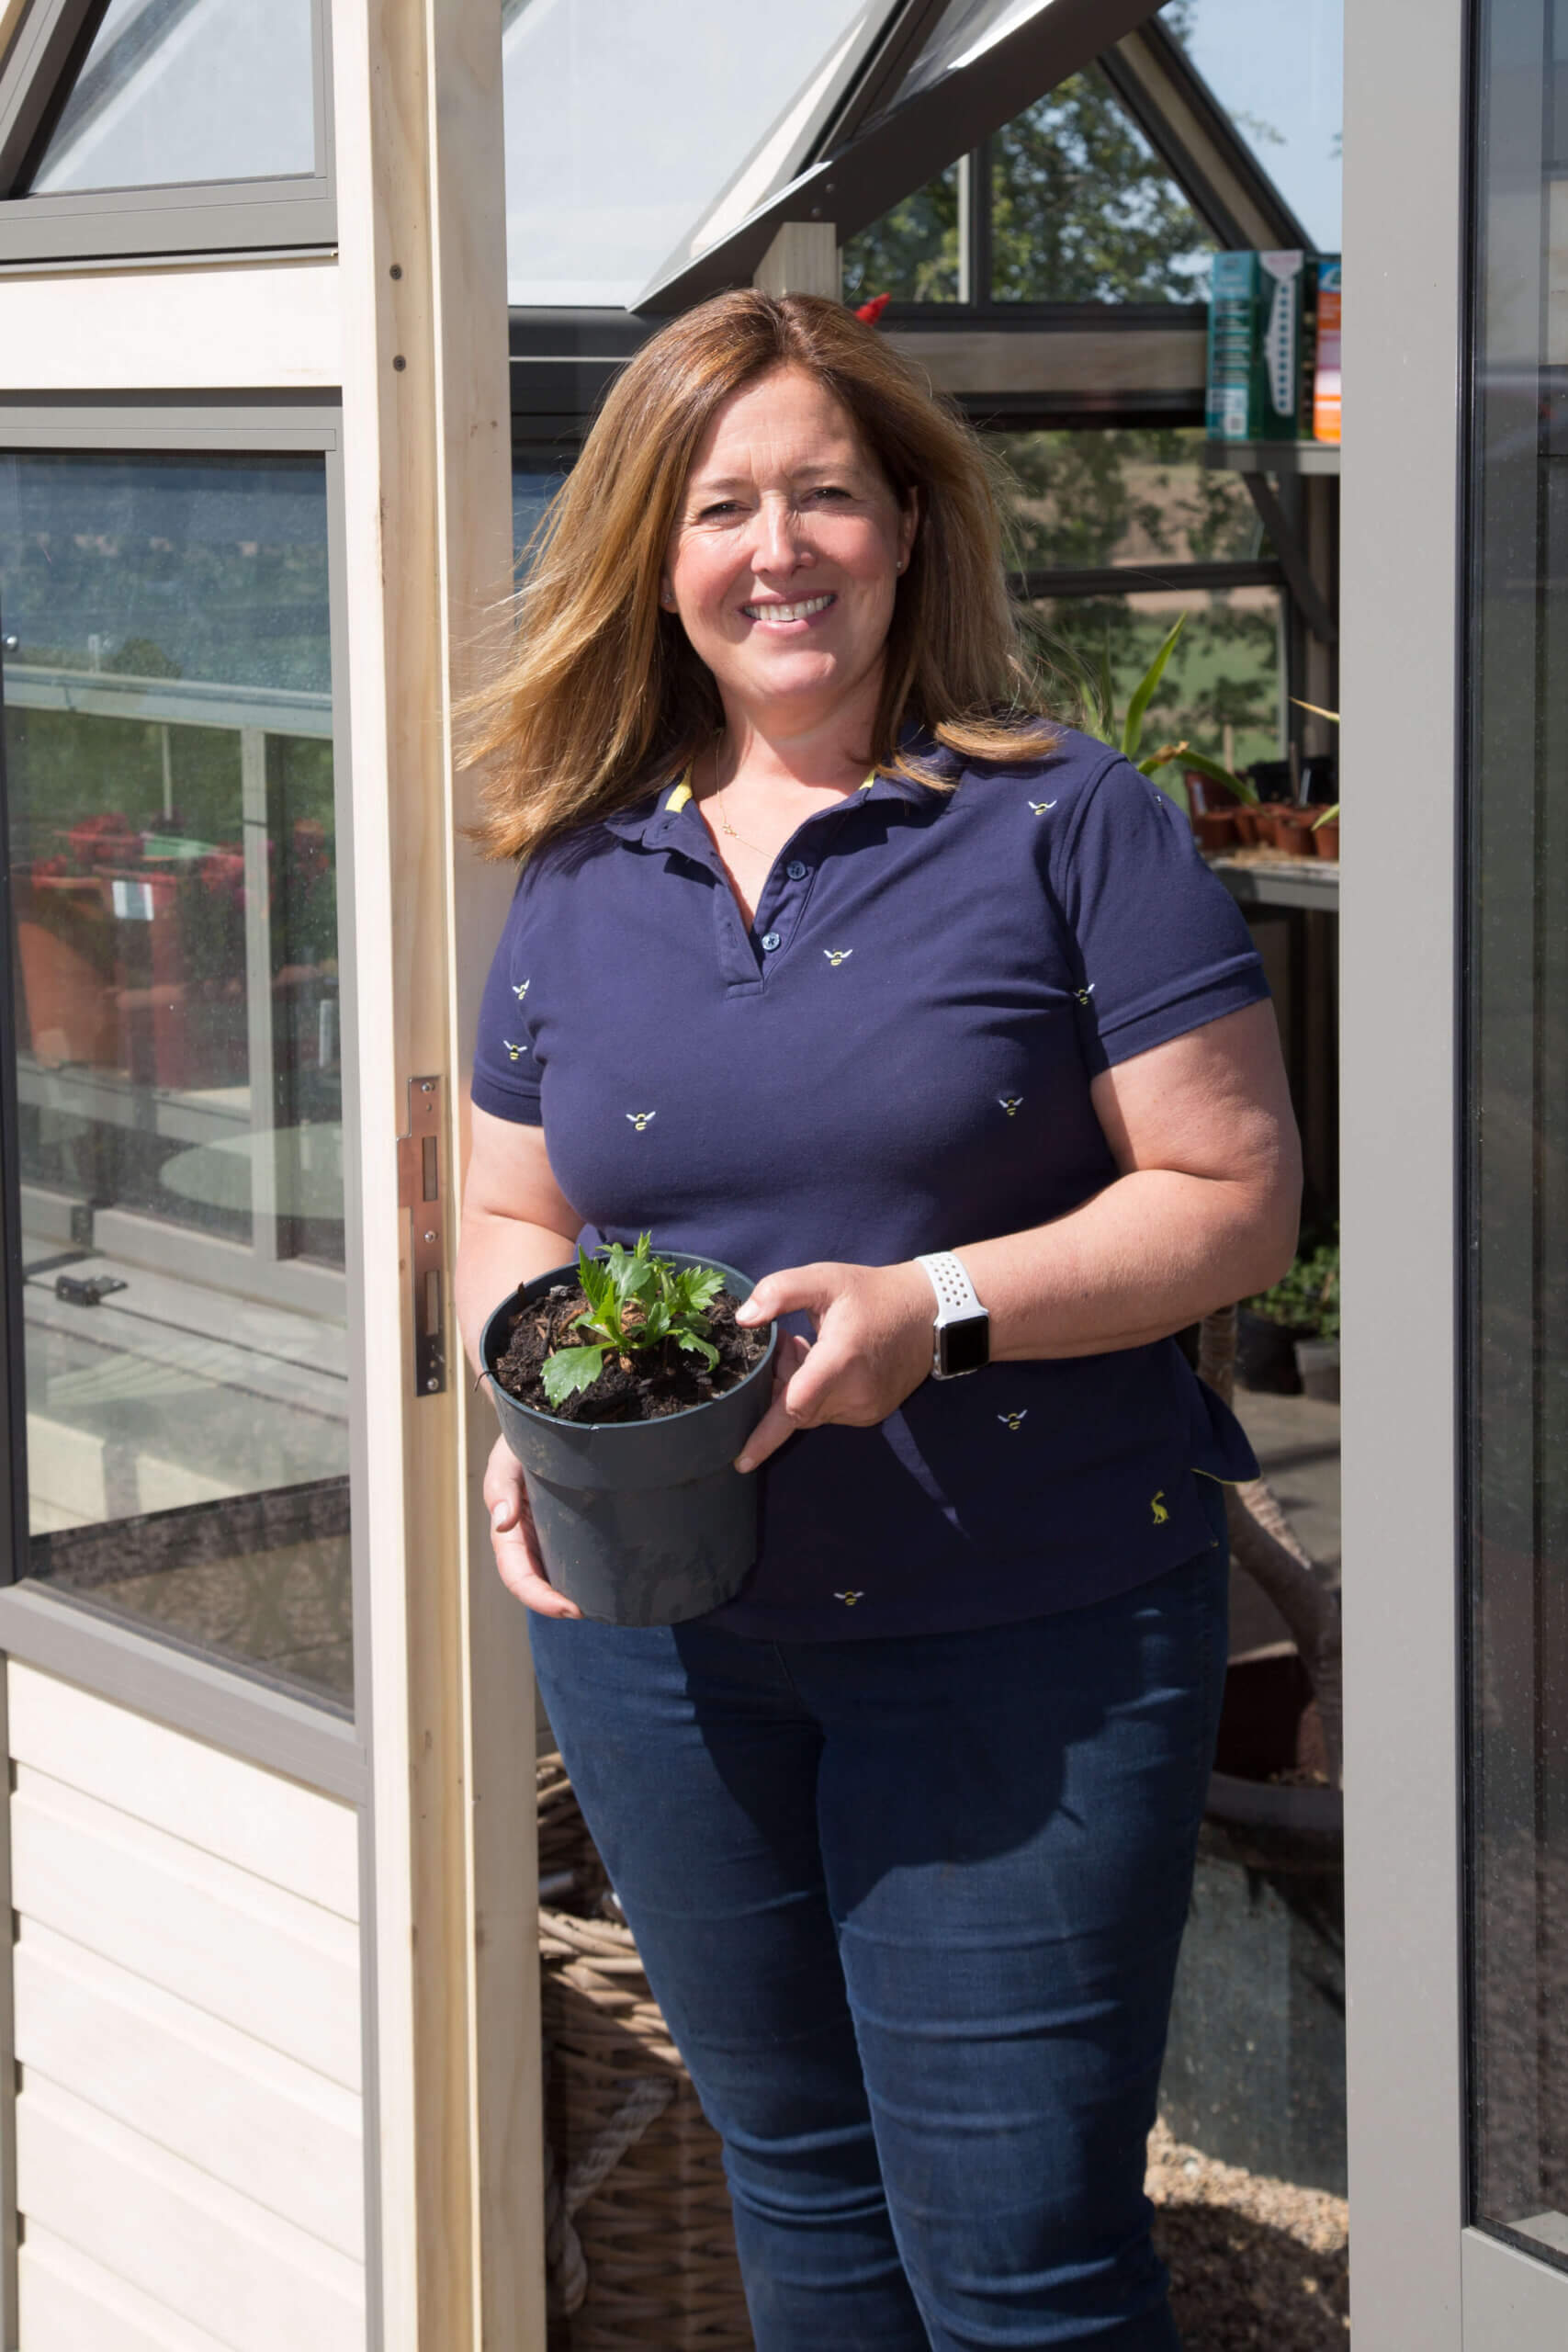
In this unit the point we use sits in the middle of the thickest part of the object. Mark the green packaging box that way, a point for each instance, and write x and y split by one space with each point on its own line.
1260 341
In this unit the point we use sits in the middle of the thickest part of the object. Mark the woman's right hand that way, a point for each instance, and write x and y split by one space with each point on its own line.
512 1538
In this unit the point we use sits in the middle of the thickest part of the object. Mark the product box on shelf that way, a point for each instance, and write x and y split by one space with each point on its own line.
1260 346
1326 384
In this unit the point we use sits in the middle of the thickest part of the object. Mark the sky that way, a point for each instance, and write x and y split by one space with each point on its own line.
1279 63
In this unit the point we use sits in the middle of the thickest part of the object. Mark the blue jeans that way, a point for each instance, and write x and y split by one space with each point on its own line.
911 1907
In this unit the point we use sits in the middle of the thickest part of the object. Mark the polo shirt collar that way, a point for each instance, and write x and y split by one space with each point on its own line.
665 816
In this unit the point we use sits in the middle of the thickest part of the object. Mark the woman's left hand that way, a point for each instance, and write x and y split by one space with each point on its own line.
873 1347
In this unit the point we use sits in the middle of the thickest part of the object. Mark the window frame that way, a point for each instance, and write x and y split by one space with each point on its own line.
251 1710
190 217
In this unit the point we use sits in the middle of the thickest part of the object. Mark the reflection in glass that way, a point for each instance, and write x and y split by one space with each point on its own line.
1142 502
916 252
1083 211
1277 68
183 91
617 148
1220 687
1517 1123
1141 497
1077 209
172 849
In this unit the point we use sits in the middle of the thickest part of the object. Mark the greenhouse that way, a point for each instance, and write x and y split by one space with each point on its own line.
315 2036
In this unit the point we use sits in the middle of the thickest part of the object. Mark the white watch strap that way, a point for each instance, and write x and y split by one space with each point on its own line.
956 1293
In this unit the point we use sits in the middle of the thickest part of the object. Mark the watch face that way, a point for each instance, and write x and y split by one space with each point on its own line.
965 1346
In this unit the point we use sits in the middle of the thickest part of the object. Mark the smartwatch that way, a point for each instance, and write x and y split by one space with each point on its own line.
961 1335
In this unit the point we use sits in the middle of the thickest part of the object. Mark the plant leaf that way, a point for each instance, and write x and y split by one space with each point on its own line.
697 1346
600 1292
1105 688
1132 732
696 1287
1242 785
1316 709
1329 817
570 1369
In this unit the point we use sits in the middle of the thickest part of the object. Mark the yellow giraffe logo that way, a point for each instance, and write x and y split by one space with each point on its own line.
1158 1508
639 1119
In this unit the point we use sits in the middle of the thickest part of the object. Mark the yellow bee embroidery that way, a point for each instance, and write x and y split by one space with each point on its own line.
521 989
848 1598
1011 1104
1013 1420
639 1119
1083 995
1040 806
514 1051
1158 1508
837 955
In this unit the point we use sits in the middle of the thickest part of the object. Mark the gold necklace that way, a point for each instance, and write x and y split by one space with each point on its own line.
726 827
723 824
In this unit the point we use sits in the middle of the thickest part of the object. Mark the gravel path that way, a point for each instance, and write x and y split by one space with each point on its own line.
1256 2265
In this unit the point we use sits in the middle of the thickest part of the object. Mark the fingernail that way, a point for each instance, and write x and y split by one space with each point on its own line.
497 1515
742 1462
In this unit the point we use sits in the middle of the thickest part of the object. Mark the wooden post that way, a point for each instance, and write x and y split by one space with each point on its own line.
802 259
427 496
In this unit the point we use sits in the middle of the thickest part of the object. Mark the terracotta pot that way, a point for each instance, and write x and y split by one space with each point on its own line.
1291 827
1325 841
65 950
1215 829
1249 824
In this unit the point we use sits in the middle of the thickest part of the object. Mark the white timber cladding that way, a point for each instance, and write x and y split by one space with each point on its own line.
189 2167
170 326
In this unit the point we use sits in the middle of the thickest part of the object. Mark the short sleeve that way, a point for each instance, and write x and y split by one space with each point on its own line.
1162 947
506 1076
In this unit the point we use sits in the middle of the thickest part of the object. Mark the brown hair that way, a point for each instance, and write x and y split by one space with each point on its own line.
603 696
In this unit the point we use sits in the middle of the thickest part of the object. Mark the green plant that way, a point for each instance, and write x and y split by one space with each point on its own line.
635 1301
1100 691
1307 1300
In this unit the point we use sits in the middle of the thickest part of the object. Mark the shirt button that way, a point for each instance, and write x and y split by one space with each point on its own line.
795 870
770 940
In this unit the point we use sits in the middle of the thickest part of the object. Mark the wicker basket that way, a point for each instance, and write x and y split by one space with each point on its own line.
641 2248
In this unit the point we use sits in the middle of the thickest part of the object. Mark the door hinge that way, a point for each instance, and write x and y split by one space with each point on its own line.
420 1191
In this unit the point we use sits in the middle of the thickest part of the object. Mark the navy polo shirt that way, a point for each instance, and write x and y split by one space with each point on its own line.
896 1058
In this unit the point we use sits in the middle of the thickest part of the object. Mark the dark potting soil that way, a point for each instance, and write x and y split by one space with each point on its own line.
662 1380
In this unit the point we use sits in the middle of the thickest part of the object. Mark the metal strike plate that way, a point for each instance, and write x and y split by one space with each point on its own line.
420 1191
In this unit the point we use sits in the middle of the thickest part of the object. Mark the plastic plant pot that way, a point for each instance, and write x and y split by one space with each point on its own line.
639 1522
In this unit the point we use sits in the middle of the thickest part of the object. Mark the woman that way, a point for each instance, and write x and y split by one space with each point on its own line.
830 957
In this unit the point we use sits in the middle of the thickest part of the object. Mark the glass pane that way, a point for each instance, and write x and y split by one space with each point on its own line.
179 91
1083 211
617 148
1517 1121
1276 66
172 834
1080 210
1143 498
916 252
1221 689
964 29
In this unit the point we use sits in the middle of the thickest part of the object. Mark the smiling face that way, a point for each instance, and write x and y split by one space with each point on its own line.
784 558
